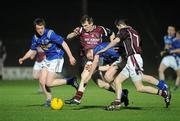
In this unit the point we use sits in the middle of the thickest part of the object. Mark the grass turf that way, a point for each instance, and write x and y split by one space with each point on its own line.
20 102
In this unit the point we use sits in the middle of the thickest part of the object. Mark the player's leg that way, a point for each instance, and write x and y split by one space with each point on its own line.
137 77
162 68
151 90
115 105
159 83
82 86
46 89
36 76
167 61
109 76
144 89
37 73
110 73
55 66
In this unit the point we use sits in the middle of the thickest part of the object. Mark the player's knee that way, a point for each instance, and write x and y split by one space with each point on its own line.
100 85
108 77
117 82
49 82
42 81
160 70
140 89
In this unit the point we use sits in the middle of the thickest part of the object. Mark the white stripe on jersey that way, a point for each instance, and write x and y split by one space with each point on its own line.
131 41
106 34
80 30
49 33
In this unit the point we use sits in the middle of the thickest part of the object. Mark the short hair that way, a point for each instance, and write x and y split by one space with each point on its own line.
86 18
178 32
39 21
119 21
172 26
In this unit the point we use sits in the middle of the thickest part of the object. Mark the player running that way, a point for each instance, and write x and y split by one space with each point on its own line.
90 36
175 51
50 42
169 59
134 66
39 57
107 63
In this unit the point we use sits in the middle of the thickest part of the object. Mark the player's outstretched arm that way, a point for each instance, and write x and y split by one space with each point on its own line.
73 34
111 44
112 37
175 51
68 51
27 55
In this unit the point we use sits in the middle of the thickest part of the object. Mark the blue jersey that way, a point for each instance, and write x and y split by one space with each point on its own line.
169 39
109 56
50 42
176 45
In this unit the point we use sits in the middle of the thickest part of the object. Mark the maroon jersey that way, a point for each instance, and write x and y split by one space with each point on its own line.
130 39
89 40
40 55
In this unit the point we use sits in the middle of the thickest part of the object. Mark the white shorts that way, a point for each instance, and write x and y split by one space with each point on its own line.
38 66
171 61
133 68
54 65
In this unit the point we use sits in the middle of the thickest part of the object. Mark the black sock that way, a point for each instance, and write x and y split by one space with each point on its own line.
47 89
111 89
70 80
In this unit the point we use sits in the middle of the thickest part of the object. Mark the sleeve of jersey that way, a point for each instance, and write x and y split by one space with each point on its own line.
106 32
55 38
33 44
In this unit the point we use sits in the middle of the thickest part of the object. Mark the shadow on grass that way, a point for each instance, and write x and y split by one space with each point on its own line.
103 107
89 107
132 108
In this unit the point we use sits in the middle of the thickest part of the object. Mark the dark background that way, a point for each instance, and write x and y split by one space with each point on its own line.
149 18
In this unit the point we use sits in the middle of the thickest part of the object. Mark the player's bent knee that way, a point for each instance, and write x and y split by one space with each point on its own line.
108 77
100 85
140 89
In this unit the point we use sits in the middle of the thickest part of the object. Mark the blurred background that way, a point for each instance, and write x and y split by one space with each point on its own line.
149 18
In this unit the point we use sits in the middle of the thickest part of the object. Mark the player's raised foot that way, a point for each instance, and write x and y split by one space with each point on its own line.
114 106
168 99
124 98
72 101
48 103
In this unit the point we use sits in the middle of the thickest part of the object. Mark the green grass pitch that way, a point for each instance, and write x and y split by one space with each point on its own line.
20 102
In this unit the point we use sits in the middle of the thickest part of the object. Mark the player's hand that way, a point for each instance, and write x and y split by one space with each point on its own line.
21 61
165 53
72 60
